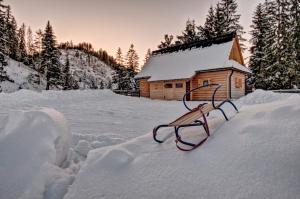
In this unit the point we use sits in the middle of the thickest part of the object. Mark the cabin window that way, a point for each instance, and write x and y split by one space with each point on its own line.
203 82
238 82
179 85
169 85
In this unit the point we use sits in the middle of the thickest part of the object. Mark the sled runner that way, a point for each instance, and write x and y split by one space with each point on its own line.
195 117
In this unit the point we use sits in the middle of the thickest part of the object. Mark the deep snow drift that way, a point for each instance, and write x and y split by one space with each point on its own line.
254 155
33 145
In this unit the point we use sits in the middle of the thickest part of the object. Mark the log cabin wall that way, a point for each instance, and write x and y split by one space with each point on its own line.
217 77
237 85
235 53
144 88
168 90
157 90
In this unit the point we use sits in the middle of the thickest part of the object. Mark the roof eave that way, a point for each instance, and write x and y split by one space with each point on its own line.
222 69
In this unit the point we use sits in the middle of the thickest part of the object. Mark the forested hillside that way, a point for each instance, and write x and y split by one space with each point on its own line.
36 61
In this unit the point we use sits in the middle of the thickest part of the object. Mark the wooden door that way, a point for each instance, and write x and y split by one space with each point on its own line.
188 88
168 91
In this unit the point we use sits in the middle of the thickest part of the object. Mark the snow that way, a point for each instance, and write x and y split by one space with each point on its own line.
111 153
184 64
21 77
88 70
29 141
254 155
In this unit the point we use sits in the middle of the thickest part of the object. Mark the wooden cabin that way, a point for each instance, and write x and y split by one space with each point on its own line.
171 72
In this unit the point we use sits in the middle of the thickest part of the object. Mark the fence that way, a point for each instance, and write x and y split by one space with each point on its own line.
287 91
134 93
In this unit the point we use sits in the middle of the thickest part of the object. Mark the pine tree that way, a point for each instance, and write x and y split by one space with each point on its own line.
3 75
207 31
219 21
2 27
270 50
273 59
11 34
50 65
167 41
29 42
189 34
119 57
21 53
132 61
282 73
295 31
231 20
147 56
37 44
69 82
258 40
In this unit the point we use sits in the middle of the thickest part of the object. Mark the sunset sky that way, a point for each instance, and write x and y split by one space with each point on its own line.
109 24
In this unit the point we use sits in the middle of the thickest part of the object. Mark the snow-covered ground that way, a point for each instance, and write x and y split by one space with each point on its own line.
20 77
89 71
112 154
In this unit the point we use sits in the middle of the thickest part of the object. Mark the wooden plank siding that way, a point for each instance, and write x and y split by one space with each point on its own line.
158 90
217 77
144 88
237 85
235 53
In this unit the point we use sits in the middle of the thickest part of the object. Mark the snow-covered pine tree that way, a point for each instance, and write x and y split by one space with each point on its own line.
270 49
21 53
11 34
189 34
3 75
207 31
219 21
69 83
283 74
50 65
295 31
167 42
231 23
2 27
29 42
132 61
257 62
119 57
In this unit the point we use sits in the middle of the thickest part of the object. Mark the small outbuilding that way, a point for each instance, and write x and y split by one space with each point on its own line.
172 71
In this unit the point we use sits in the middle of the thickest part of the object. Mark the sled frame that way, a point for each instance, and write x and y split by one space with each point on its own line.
204 110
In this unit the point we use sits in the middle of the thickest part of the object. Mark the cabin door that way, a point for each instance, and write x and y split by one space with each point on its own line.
168 91
188 89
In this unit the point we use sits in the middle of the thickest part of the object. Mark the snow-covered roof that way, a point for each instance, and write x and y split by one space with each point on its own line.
183 64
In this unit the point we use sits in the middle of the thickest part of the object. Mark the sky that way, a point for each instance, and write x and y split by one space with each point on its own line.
109 24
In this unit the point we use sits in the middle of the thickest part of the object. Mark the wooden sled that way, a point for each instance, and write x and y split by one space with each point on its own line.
195 117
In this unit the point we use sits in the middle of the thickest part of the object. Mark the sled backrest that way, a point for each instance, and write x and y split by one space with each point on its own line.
193 115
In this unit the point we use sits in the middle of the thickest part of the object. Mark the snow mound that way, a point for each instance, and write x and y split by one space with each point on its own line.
260 96
29 141
116 158
254 155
